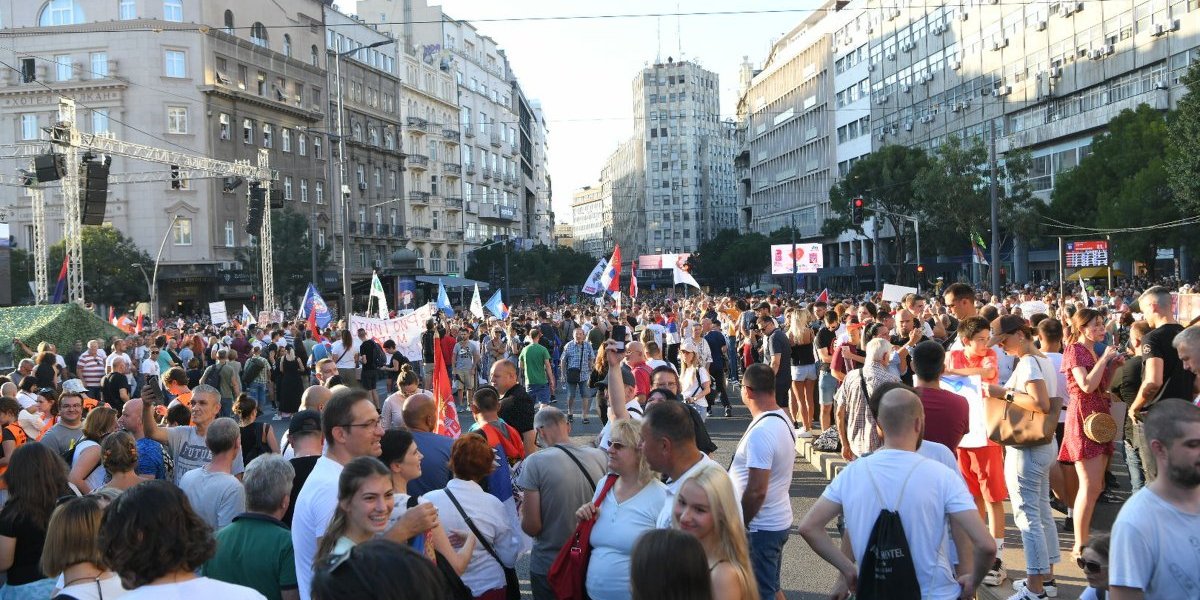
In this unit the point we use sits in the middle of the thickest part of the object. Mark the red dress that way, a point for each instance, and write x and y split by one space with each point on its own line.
1075 445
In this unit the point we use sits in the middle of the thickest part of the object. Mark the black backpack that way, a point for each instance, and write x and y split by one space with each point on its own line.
212 376
253 369
887 570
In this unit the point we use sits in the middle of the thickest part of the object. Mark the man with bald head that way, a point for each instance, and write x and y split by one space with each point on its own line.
635 361
516 405
924 493
420 416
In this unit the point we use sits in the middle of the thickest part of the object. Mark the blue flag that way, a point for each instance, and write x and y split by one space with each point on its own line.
496 306
443 300
60 288
315 304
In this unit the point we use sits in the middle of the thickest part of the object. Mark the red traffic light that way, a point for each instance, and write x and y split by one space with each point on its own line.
858 203
920 268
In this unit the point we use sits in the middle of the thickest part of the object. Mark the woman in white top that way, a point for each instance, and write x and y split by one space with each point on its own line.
694 380
33 420
86 471
408 383
365 501
630 508
344 353
71 550
27 393
463 505
403 460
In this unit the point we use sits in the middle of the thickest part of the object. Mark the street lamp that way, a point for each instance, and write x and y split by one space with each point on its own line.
149 285
347 299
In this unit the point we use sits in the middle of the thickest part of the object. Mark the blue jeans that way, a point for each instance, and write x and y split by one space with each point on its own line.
828 385
540 392
1027 473
226 407
1133 461
579 390
766 559
258 391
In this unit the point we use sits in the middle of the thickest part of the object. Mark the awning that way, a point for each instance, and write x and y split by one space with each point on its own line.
452 282
1094 273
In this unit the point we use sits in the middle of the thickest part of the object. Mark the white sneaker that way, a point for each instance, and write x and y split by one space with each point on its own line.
804 434
1050 590
996 575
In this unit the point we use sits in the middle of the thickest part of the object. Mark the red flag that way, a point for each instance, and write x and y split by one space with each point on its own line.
443 394
312 326
138 327
633 286
824 296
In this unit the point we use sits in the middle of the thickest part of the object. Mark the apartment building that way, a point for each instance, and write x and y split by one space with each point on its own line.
591 220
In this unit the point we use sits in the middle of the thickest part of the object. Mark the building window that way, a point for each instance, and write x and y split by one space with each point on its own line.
287 45
127 10
28 70
378 176
420 258
452 261
61 12
304 190
247 131
63 67
174 63
177 119
182 232
29 127
173 10
230 235
285 140
320 192
100 120
258 35
267 137
321 237
229 22
317 148
435 260
223 120
99 65
287 188
314 56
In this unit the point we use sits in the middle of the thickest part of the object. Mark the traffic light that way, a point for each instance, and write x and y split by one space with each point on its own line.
920 268
856 211
254 209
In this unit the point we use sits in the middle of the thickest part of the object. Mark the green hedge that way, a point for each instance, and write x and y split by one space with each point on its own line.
60 324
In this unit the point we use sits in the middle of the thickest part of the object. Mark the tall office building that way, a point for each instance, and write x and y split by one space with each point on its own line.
591 220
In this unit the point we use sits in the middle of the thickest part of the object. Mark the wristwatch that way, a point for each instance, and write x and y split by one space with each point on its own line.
1008 396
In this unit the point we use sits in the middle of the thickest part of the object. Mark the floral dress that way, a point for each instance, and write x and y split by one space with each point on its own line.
1075 445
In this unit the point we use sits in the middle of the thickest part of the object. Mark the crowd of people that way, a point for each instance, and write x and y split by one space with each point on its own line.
148 466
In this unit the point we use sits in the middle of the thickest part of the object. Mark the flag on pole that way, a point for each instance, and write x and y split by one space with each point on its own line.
633 286
443 395
138 328
378 294
313 306
977 240
312 327
496 306
823 296
60 289
684 277
247 317
443 301
593 286
476 303
611 279
977 255
1083 293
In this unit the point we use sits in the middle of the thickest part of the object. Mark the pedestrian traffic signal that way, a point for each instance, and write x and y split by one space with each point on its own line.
856 211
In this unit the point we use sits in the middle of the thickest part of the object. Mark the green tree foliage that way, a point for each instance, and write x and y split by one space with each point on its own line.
108 277
292 254
541 270
20 274
1183 146
731 259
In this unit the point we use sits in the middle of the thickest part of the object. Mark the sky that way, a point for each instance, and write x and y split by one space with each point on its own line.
582 70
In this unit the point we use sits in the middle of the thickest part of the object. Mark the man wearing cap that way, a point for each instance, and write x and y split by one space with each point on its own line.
304 439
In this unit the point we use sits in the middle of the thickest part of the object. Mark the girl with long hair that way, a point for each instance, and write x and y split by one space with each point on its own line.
257 438
694 381
408 383
365 502
86 471
707 508
598 380
41 415
801 335
36 478
687 579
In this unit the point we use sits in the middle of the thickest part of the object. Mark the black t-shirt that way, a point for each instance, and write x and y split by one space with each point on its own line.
1177 382
303 466
111 386
517 409
778 345
825 339
44 374
27 555
548 335
372 354
427 346
703 440
398 360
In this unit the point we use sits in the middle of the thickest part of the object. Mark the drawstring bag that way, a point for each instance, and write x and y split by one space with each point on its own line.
887 571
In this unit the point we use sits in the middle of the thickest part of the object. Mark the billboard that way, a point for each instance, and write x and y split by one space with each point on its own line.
663 261
808 256
1086 254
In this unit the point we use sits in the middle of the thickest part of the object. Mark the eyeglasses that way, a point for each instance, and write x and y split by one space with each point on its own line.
1088 566
372 424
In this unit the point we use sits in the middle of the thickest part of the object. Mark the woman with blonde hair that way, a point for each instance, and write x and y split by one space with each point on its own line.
86 471
695 383
801 336
707 508
71 550
629 509
119 457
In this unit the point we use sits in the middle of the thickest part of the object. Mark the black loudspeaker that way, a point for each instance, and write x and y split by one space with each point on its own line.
93 194
254 210
276 199
49 167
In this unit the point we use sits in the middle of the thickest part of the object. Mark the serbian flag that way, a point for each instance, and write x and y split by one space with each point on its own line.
611 279
633 287
443 394
138 328
60 289
823 296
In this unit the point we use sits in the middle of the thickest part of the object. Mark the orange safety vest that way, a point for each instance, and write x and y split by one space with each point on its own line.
21 438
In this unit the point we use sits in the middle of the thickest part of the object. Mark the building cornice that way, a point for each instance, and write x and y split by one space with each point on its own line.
311 116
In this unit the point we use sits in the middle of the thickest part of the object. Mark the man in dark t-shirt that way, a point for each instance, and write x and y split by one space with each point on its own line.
305 440
777 355
1163 375
112 386
947 415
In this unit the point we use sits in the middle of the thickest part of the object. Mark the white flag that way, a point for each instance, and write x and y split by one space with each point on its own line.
247 317
592 286
477 303
378 293
682 276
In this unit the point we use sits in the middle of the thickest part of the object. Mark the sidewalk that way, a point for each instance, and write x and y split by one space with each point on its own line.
1068 576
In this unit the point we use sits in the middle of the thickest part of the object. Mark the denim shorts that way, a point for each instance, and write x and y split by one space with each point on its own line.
804 372
766 559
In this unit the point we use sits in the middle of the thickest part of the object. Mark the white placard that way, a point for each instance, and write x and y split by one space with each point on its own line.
405 331
216 311
896 293
970 388
1034 307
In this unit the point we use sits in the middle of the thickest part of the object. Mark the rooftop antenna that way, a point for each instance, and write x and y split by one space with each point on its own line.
678 31
658 35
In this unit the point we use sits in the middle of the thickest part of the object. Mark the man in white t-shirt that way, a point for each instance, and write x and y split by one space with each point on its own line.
669 445
352 429
1157 533
761 472
924 492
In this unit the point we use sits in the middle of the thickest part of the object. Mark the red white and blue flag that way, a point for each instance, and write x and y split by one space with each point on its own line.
823 296
633 286
611 279
60 289
443 396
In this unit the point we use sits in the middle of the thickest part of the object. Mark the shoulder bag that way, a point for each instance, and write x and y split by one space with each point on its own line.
1011 425
512 583
568 574
574 374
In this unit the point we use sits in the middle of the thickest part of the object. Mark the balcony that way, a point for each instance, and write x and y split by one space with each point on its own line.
368 229
454 169
453 203
397 230
451 135
470 169
499 213
419 233
419 198
487 173
455 236
417 161
468 131
417 125
351 227
496 140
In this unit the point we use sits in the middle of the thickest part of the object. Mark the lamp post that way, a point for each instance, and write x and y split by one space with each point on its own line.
149 286
347 299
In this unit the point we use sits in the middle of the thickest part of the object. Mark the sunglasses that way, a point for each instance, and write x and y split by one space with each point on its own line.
1088 566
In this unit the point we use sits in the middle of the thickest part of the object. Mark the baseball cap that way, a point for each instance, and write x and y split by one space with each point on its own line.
305 421
627 377
1005 325
74 386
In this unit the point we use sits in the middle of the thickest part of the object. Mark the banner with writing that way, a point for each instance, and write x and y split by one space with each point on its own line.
405 331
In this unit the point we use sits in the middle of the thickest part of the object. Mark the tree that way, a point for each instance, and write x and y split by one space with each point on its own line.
540 270
885 179
731 259
1183 145
108 276
20 274
292 252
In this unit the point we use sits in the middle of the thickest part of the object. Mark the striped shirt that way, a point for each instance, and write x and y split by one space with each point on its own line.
91 369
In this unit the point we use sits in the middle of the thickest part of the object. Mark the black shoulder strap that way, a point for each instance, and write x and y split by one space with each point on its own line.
413 500
471 524
583 470
635 411
755 424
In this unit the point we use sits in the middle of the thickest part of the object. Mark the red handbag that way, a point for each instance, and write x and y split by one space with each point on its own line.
569 571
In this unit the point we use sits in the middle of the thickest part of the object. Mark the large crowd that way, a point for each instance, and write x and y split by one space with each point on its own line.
149 466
